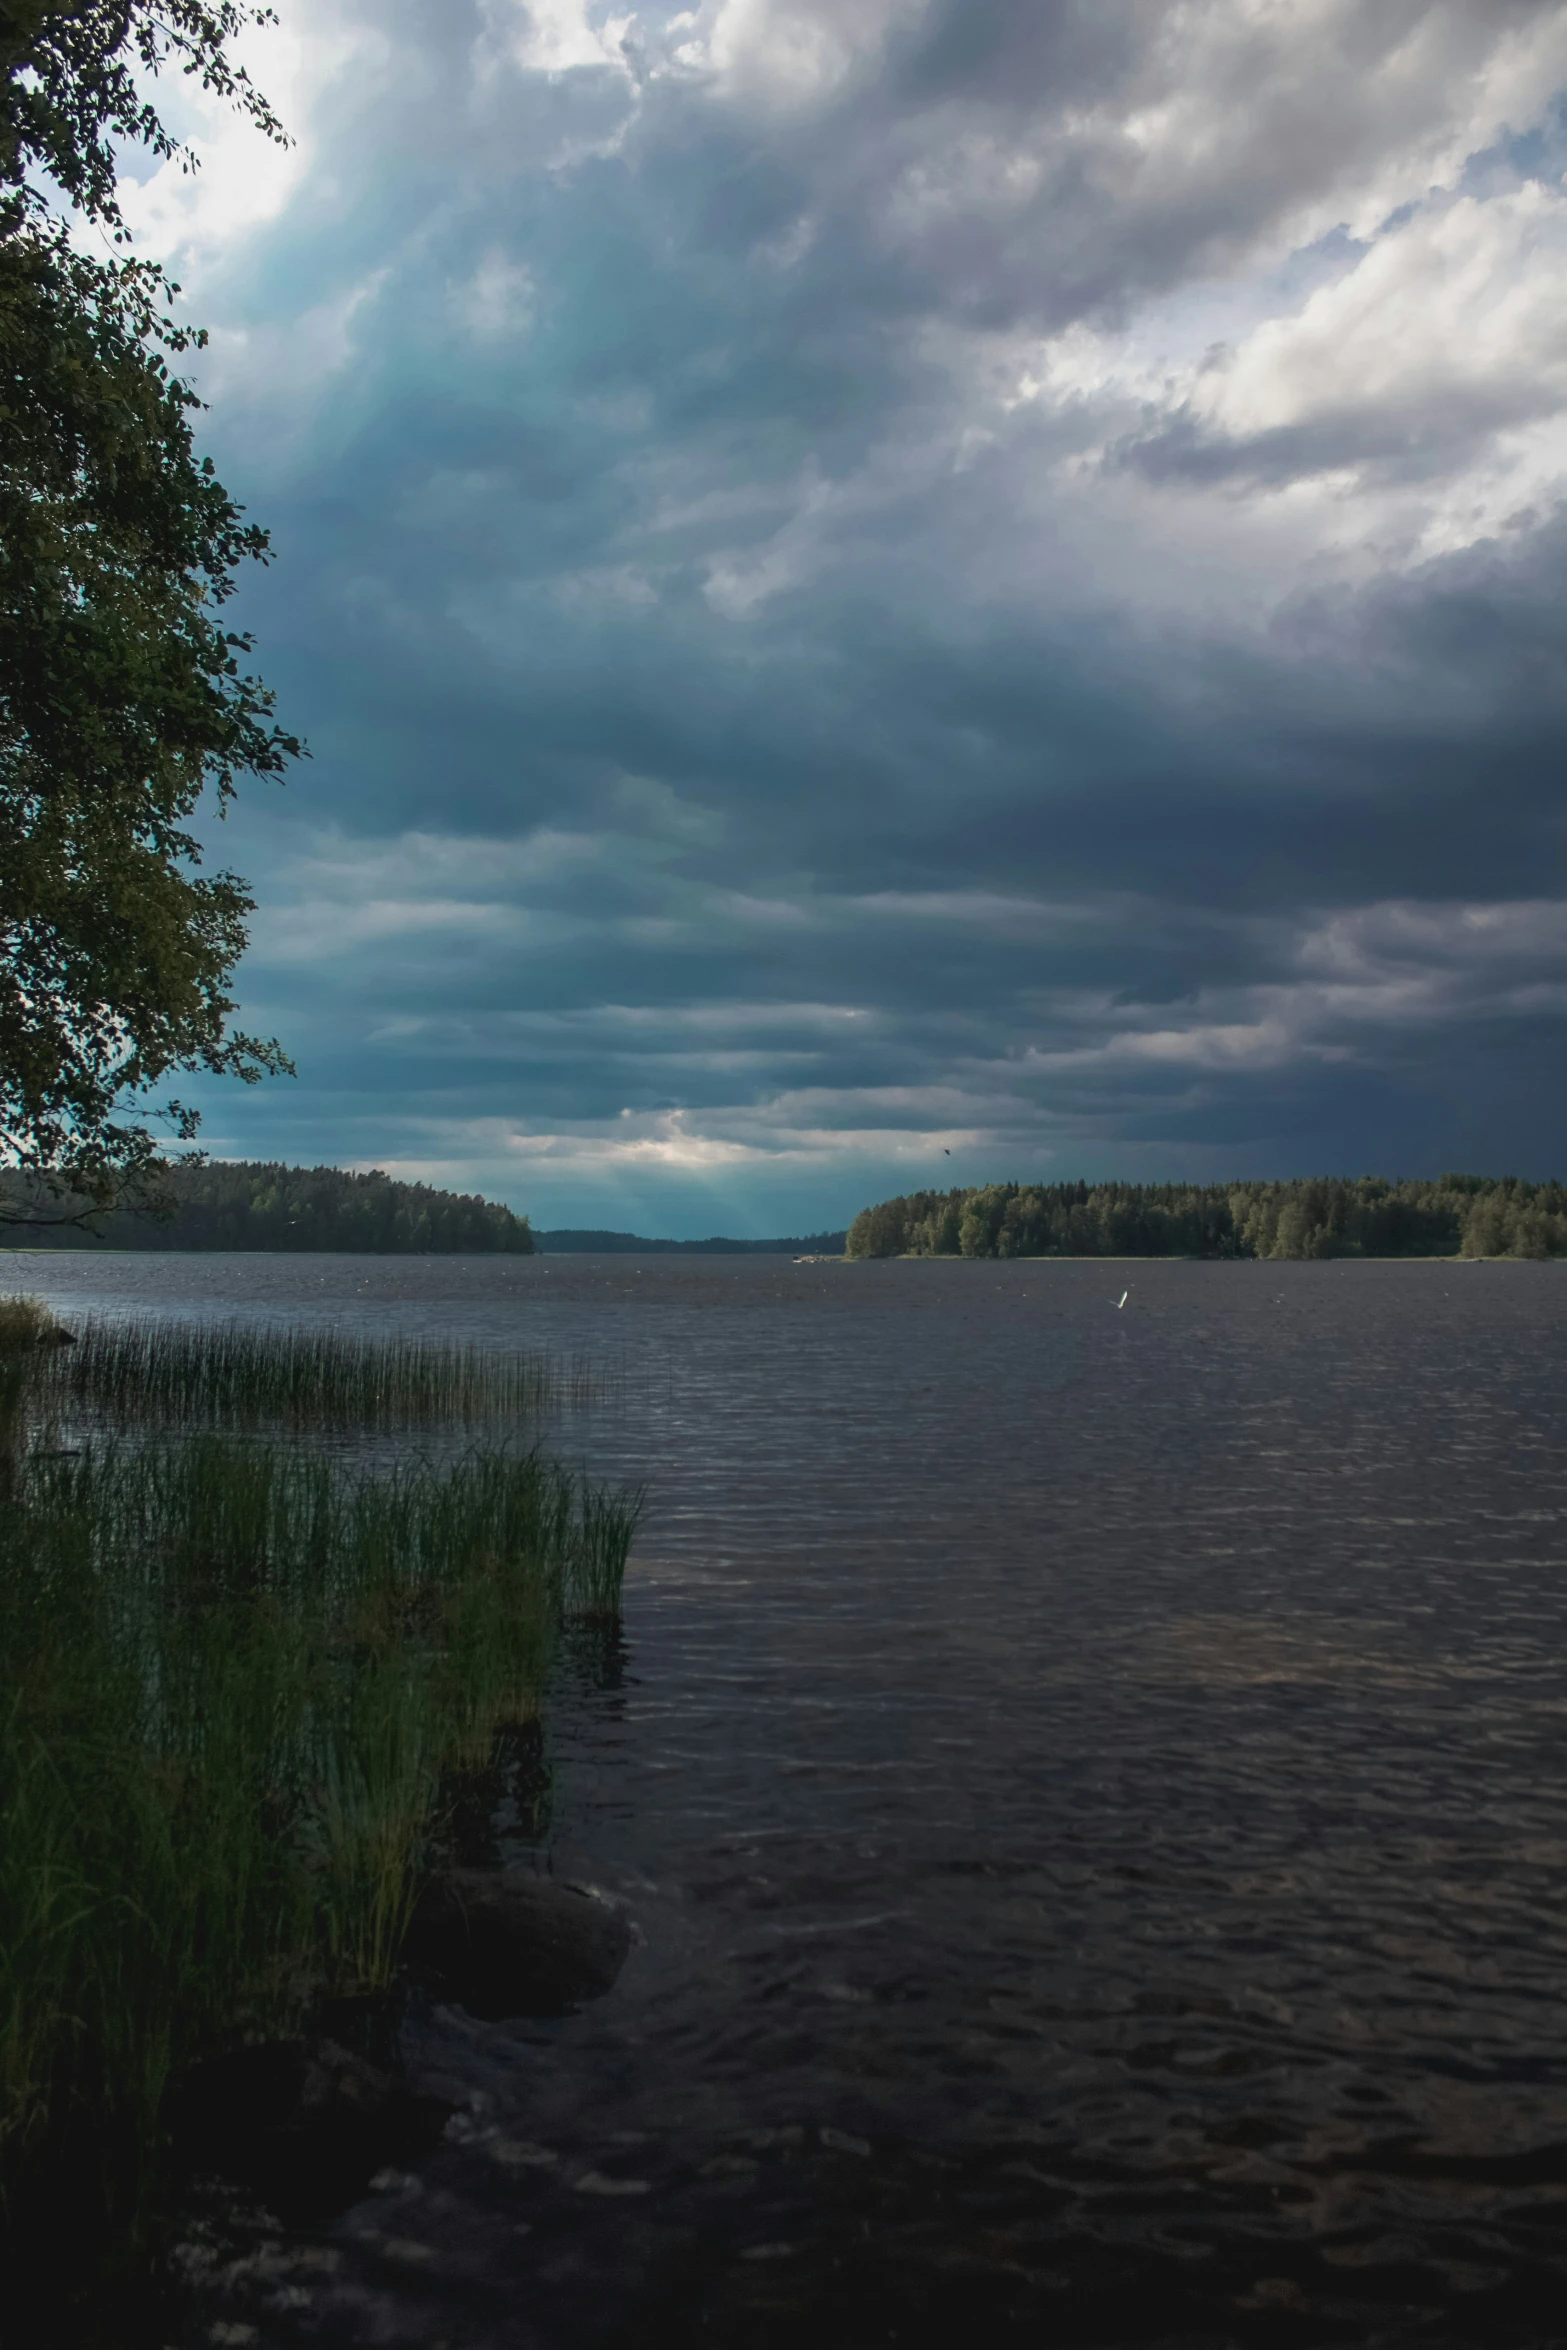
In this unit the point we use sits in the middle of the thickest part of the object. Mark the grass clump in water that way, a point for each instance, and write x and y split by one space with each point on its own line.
24 1323
235 1374
29 1337
598 1550
235 1674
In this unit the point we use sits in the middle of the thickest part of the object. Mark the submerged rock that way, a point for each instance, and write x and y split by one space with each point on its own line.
512 1944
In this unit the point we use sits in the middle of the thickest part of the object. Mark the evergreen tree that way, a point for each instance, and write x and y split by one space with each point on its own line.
239 1204
1323 1216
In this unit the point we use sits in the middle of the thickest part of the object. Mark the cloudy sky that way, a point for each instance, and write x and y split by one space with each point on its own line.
870 579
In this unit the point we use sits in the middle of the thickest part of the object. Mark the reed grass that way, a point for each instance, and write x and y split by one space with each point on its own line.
27 1332
24 1322
236 1673
234 1374
596 1557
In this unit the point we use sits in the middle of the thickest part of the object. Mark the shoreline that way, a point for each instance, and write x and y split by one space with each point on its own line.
256 1674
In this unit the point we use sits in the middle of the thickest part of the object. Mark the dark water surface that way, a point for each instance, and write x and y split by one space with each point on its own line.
1090 1786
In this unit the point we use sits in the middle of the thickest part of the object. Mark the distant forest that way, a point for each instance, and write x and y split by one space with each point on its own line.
569 1242
1323 1216
246 1205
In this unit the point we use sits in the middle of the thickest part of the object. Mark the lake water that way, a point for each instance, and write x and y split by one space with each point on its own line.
1091 1787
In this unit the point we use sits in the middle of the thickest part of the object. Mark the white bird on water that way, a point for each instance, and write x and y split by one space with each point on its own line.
1121 1300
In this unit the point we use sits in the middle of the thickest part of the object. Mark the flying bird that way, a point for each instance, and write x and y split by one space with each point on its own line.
1121 1300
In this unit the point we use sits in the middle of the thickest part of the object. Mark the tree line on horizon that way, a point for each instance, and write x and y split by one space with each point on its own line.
569 1242
245 1204
1311 1217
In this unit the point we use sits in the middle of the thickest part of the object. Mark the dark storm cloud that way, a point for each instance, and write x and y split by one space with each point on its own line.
872 578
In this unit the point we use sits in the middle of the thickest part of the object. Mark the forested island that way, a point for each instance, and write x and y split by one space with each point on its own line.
1319 1216
247 1204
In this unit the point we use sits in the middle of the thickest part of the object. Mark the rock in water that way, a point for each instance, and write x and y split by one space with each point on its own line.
510 1943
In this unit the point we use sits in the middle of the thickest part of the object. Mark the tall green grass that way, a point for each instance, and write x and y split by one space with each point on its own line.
236 1674
236 1374
27 1330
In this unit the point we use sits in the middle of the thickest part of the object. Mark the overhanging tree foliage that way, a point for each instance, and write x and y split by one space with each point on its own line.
124 699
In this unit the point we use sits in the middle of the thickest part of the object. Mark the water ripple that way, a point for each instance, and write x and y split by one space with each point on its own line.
1090 1787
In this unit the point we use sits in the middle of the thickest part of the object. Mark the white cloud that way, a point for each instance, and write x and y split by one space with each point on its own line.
789 54
1448 945
1417 403
1153 174
558 36
497 300
192 220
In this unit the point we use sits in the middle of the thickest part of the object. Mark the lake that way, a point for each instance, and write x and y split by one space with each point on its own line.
1091 1789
